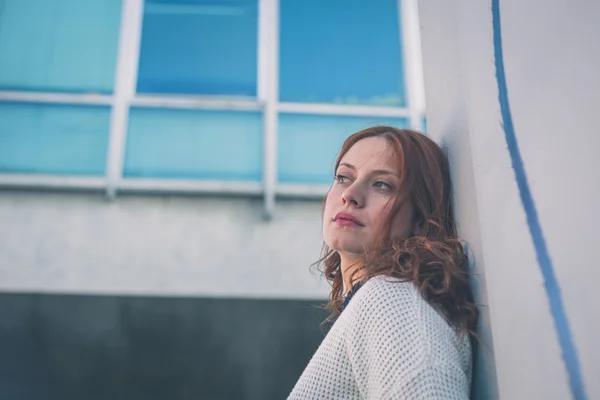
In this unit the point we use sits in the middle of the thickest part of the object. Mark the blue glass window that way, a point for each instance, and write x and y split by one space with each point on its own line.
59 45
341 51
308 144
203 47
53 139
215 145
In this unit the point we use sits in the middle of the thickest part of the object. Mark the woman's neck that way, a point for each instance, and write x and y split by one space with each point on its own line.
350 264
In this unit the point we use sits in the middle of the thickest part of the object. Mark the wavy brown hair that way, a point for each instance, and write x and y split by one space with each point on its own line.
432 257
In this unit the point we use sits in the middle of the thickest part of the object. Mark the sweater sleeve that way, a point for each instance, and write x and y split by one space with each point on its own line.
390 347
431 383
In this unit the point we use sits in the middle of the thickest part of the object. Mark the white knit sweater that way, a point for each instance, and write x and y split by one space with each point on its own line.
389 343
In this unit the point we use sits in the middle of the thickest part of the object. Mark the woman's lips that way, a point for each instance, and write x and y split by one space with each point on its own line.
347 219
346 222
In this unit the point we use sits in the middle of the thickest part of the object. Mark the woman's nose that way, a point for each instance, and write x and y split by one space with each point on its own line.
354 196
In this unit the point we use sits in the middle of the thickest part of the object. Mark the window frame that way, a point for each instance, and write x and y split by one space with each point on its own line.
125 97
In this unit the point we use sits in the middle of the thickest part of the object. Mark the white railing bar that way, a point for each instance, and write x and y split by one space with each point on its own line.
189 186
57 98
269 85
415 26
263 38
344 109
197 103
160 185
52 181
409 35
125 87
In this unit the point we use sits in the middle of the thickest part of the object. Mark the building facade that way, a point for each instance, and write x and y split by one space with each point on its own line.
162 166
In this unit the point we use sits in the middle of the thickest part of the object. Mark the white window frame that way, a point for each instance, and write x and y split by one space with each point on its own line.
267 101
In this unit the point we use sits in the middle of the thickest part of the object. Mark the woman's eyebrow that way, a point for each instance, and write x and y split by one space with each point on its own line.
383 172
374 172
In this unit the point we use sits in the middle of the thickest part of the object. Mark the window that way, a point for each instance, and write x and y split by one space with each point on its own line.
199 47
53 139
341 52
194 144
59 45
308 144
196 119
341 70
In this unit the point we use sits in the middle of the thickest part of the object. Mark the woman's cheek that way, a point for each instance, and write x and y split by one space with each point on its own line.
329 204
327 216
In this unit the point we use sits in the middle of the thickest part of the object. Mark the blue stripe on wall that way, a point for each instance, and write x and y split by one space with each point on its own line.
545 262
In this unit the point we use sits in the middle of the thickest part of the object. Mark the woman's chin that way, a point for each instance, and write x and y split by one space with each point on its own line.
345 246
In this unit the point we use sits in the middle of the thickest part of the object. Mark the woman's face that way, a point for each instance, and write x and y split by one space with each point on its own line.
366 183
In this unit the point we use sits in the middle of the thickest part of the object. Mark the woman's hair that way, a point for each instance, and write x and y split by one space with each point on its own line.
431 256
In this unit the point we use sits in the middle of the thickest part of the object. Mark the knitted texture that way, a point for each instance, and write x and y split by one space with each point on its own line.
389 343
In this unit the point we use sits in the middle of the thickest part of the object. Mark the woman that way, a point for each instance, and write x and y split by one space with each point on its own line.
400 289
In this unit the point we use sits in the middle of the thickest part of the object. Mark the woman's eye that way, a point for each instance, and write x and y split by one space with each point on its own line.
382 185
341 178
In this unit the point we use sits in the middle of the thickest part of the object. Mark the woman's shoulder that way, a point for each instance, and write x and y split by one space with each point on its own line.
396 310
383 302
387 293
395 305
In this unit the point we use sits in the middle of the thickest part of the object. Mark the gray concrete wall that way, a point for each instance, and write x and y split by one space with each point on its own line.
156 296
158 245
552 59
97 347
448 124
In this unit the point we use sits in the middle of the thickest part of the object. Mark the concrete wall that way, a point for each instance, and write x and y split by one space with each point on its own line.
159 245
552 59
447 120
71 347
156 296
